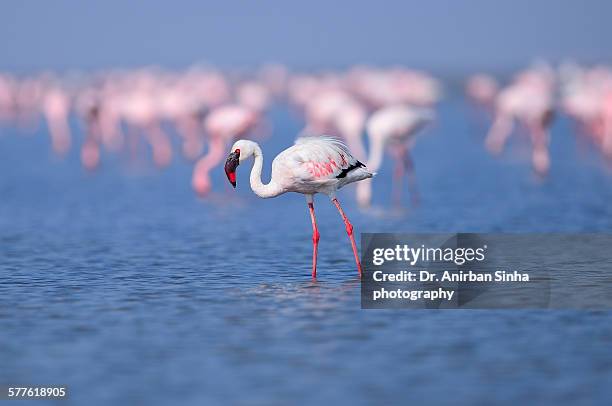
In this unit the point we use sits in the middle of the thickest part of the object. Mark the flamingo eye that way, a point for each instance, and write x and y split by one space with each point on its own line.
237 151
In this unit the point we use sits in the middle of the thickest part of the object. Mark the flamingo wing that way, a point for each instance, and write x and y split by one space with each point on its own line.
325 161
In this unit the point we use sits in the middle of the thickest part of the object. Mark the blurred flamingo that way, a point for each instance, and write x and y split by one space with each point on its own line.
223 125
394 127
527 100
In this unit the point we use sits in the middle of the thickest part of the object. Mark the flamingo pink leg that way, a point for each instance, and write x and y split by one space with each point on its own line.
200 178
349 231
315 240
404 165
498 133
540 155
160 144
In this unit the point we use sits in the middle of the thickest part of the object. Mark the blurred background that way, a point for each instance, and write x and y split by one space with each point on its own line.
132 272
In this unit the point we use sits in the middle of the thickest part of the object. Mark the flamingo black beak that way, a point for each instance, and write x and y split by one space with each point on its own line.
232 162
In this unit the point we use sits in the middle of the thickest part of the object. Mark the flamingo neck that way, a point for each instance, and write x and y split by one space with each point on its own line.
207 162
214 155
376 153
272 189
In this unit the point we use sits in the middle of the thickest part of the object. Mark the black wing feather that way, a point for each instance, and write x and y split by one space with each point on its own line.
356 165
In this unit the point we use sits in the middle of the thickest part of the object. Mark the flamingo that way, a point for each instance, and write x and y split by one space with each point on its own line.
140 112
384 87
395 126
587 98
223 125
529 101
313 165
178 104
56 109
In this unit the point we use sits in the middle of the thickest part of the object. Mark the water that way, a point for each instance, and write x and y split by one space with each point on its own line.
125 287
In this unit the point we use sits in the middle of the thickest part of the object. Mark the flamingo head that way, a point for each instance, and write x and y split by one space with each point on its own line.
241 150
232 162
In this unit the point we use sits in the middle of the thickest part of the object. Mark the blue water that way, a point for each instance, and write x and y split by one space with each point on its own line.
125 287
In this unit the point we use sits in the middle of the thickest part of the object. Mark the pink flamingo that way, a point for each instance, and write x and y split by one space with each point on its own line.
223 125
109 117
529 101
396 127
177 105
56 109
313 165
27 101
142 116
90 150
587 97
384 87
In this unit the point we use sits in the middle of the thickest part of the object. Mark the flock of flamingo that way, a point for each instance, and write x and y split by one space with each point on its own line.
208 110
535 95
